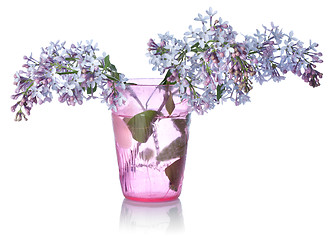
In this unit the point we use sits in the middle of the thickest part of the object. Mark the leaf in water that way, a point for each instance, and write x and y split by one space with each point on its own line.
175 149
182 123
147 154
170 105
140 125
175 173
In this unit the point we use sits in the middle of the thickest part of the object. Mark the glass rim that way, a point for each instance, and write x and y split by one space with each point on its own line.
133 82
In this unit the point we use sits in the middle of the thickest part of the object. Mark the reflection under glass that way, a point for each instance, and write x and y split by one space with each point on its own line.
165 217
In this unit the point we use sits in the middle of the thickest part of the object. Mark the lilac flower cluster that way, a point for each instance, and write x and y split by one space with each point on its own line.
74 73
209 65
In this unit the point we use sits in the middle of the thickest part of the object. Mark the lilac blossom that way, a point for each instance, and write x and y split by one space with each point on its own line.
74 73
210 66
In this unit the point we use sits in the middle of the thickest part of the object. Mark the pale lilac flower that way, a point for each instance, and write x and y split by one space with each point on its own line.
75 73
201 18
210 65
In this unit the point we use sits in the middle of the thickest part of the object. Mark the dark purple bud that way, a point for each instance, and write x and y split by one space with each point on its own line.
150 43
13 108
34 100
27 111
19 116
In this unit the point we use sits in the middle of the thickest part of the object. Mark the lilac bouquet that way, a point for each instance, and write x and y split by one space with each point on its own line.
208 65
75 73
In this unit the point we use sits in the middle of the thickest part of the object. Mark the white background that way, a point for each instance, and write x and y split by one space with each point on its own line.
258 171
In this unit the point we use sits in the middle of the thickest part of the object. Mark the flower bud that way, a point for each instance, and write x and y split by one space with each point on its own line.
13 108
18 117
150 42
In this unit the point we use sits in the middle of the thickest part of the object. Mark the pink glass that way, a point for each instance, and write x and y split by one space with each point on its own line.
152 171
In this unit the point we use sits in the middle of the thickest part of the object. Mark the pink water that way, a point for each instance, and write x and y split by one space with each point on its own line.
142 166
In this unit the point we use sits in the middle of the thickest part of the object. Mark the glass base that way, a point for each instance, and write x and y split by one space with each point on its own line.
152 199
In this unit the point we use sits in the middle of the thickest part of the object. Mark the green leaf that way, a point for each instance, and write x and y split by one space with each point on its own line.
70 59
174 172
176 149
140 125
66 73
164 81
113 68
92 90
170 105
220 90
111 78
107 62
